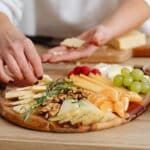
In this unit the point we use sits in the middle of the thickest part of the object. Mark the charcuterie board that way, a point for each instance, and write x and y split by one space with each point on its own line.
88 99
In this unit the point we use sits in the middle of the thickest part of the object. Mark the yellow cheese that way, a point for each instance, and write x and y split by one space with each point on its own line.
38 88
130 40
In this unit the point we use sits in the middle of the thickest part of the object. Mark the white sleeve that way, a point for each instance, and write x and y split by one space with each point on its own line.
12 8
148 2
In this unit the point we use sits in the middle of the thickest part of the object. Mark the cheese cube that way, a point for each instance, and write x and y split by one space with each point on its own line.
130 40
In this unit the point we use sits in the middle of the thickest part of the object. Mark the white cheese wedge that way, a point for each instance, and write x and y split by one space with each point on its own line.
129 41
73 42
68 105
21 102
115 70
103 68
108 116
78 112
21 108
16 94
111 70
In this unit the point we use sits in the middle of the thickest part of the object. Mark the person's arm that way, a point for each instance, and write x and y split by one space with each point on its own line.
13 9
129 15
16 51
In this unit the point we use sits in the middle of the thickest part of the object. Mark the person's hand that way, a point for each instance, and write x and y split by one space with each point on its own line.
18 57
94 37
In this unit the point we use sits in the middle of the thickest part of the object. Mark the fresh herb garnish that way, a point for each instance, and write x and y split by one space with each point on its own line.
28 112
53 89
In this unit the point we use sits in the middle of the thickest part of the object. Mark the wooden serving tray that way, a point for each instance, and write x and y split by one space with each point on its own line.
108 54
58 74
135 135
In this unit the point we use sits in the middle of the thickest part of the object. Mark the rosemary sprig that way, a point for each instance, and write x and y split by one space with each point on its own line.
27 113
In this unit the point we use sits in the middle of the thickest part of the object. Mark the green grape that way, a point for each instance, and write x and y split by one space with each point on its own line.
125 72
145 87
127 81
136 87
137 74
145 80
117 81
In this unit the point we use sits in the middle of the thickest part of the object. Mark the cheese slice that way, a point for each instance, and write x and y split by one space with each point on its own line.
130 40
21 108
16 94
38 88
78 112
21 102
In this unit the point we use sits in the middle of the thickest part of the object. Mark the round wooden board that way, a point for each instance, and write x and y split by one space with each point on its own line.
41 124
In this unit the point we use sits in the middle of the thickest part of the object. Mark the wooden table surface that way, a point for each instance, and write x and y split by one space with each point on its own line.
132 136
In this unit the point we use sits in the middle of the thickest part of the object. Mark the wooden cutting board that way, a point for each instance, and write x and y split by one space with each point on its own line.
108 54
142 51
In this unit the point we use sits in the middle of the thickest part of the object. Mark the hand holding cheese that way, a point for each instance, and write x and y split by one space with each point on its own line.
83 46
125 18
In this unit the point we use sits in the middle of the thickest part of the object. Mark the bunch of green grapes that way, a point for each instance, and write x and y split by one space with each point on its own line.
133 80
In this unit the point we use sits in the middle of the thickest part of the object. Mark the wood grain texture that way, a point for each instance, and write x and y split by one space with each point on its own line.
132 136
105 54
143 51
108 55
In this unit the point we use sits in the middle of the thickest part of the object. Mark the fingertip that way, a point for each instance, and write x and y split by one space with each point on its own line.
6 78
20 77
40 77
35 83
53 60
44 60
40 74
30 76
10 82
50 61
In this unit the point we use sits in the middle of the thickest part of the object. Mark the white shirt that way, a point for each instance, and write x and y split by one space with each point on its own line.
60 18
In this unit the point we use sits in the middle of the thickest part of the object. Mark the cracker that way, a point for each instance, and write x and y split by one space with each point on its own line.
73 42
